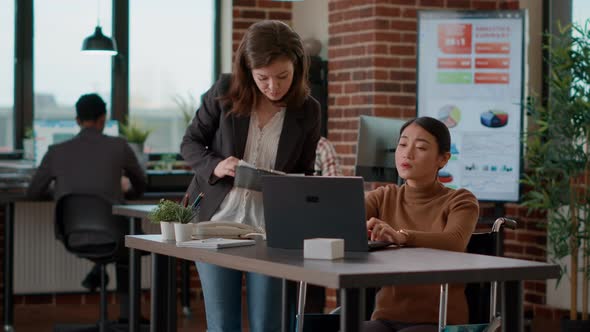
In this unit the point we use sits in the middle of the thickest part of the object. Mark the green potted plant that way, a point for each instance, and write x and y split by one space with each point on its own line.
558 160
136 135
164 214
187 107
183 228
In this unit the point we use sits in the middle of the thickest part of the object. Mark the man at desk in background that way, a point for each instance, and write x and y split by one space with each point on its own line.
96 164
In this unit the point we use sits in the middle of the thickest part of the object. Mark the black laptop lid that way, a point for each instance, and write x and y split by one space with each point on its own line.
299 207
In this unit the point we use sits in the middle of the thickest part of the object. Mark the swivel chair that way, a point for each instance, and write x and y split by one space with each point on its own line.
481 297
86 226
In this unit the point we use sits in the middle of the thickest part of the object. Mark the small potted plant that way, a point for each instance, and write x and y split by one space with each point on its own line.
165 215
136 136
187 106
183 228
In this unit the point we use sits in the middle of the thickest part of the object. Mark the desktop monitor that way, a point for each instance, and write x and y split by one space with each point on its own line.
375 151
48 132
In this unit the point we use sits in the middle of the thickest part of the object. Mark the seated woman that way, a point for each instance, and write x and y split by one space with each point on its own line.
420 213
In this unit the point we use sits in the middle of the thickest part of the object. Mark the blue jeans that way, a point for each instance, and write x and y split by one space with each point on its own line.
222 290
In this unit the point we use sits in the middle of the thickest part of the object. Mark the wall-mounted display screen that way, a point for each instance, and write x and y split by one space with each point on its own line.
470 76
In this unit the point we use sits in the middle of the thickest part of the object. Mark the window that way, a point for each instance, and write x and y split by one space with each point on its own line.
7 75
580 12
170 64
62 72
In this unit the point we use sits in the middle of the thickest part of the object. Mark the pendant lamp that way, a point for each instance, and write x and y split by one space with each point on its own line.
98 43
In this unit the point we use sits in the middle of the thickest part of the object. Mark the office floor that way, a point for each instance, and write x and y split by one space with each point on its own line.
42 317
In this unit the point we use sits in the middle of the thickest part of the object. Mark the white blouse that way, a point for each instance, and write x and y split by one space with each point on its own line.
243 205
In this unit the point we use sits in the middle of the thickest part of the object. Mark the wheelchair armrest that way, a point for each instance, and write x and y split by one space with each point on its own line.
503 222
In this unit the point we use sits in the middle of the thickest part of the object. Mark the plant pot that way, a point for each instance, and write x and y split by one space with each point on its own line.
575 325
139 154
167 230
29 148
183 232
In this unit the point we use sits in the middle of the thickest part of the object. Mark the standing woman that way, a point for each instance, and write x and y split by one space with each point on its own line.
420 213
263 114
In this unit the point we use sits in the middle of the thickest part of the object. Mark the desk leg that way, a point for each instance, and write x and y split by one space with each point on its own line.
186 288
353 309
288 306
159 291
171 295
8 273
134 279
512 309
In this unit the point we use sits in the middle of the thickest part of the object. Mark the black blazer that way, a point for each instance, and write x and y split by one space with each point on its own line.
215 135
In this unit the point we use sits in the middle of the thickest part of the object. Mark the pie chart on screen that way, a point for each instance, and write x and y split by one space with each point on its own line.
450 115
494 119
445 177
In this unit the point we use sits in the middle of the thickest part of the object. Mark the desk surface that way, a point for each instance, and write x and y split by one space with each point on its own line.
386 267
133 210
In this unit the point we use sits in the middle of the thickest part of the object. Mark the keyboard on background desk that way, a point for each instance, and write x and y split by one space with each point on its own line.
15 174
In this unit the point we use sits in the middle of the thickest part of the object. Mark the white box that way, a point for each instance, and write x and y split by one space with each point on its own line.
322 248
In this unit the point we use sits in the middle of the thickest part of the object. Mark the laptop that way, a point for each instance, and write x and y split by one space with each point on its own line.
301 207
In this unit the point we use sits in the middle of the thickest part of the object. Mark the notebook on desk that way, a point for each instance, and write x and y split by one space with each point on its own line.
298 208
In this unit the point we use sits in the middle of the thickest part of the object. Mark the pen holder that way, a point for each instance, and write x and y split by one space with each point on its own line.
183 232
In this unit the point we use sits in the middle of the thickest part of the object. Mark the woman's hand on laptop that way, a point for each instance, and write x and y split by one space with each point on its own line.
379 230
226 167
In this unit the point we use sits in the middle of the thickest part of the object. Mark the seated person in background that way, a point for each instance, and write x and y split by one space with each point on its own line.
420 213
326 159
93 163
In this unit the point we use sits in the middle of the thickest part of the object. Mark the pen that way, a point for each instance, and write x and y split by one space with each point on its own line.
197 200
185 200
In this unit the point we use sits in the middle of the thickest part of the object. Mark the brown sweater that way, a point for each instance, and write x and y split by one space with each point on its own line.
435 217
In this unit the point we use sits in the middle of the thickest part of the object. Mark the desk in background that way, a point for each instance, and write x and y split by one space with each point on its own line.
350 275
14 178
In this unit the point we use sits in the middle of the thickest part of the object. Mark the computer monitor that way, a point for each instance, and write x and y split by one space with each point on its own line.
48 132
375 151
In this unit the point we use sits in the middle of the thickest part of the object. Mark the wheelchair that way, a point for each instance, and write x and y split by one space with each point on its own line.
482 298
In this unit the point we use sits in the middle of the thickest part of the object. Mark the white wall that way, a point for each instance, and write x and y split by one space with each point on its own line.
310 20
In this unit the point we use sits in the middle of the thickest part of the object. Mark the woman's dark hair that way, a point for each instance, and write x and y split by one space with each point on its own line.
436 128
90 107
263 43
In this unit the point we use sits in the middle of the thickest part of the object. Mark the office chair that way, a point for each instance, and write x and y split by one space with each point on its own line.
481 297
87 228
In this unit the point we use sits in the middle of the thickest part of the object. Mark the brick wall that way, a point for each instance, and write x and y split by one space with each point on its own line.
246 12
